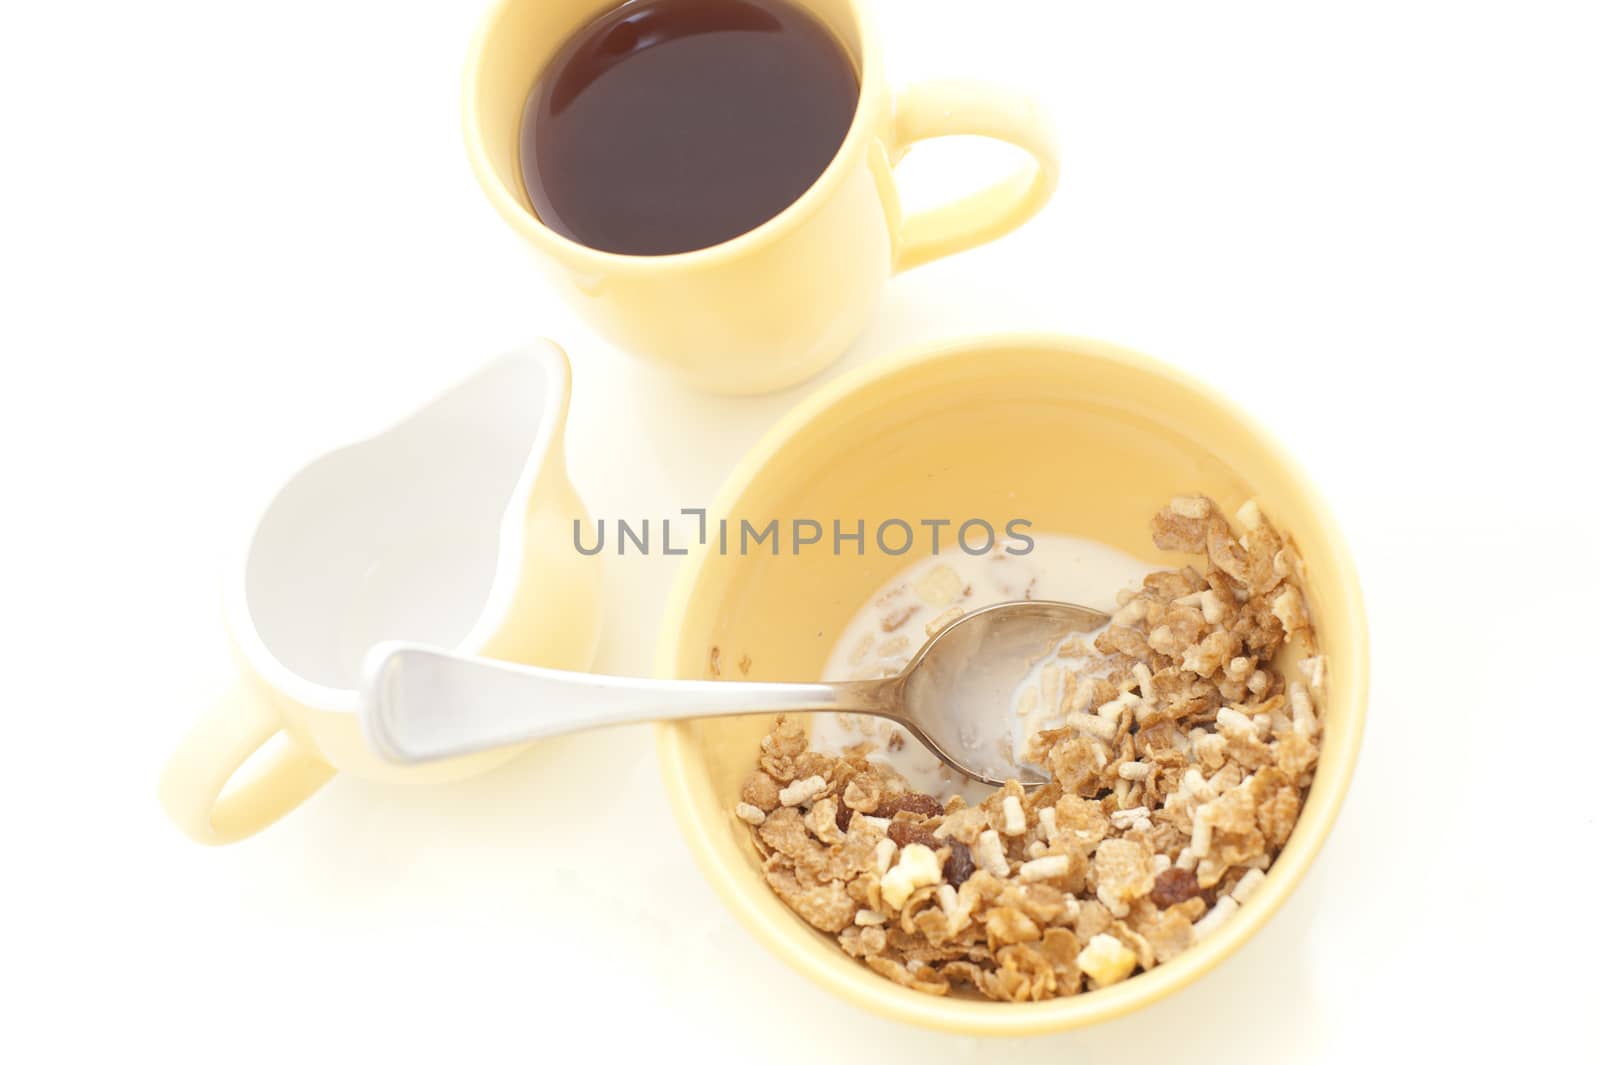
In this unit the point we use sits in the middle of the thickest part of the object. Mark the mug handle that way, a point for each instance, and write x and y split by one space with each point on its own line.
955 107
239 724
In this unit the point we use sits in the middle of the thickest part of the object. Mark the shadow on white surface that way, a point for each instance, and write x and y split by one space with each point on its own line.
493 843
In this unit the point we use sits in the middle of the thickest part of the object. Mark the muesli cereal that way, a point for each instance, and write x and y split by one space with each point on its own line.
1177 775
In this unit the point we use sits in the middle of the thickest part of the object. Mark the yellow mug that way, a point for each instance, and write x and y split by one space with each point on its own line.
1078 437
778 304
454 528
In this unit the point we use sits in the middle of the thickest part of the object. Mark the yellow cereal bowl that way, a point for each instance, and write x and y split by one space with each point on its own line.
1076 436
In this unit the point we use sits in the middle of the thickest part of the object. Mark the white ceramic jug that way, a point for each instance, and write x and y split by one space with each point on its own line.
453 528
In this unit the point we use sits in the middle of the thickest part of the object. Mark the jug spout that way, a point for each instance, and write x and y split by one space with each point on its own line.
552 612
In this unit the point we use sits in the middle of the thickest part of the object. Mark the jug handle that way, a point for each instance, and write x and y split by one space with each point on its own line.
192 783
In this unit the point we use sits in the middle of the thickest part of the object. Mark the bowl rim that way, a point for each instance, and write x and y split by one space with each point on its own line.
979 1017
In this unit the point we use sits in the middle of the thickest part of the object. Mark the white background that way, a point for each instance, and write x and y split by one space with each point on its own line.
234 234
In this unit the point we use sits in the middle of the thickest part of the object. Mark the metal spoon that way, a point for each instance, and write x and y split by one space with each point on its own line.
420 704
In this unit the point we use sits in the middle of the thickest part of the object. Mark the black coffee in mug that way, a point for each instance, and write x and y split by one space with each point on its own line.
671 125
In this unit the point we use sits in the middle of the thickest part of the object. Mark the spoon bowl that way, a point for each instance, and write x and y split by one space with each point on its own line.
956 693
420 704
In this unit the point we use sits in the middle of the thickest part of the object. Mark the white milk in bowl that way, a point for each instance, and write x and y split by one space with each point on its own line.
896 621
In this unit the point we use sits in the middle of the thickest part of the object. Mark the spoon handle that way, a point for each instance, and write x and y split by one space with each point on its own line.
421 704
